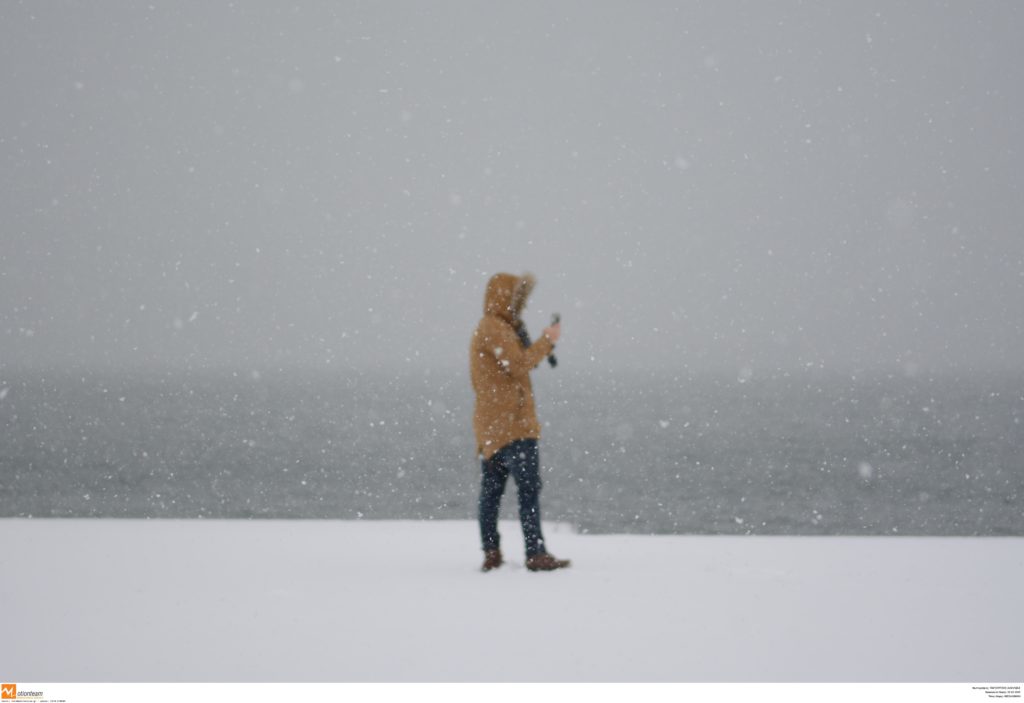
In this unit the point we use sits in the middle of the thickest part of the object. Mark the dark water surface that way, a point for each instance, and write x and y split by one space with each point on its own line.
635 453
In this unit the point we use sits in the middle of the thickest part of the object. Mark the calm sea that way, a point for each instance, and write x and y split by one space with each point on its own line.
631 453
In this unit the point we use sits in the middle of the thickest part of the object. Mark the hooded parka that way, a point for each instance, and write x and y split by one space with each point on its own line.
500 366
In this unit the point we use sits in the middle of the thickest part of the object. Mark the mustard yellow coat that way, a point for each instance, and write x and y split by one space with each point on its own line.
499 367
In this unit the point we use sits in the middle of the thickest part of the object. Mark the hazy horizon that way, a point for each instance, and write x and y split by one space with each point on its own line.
741 188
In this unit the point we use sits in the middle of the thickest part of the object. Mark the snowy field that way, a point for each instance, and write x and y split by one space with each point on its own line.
394 601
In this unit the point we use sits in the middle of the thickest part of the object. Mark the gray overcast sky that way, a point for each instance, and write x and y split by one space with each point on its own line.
747 186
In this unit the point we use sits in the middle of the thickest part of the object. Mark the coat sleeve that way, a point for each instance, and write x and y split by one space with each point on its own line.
501 342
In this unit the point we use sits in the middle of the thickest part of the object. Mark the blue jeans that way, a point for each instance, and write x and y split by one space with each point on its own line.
521 459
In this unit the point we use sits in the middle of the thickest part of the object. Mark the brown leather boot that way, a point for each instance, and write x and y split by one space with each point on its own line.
545 562
492 559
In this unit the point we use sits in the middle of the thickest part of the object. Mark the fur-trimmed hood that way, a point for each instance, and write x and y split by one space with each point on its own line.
507 295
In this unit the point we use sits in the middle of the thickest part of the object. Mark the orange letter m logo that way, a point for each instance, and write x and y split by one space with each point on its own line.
9 691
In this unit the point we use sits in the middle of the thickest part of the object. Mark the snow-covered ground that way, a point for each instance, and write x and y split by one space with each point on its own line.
107 600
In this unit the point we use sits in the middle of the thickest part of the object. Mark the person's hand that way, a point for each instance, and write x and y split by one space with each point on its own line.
553 332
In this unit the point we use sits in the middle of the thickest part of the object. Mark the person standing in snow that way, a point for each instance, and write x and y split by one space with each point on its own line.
501 357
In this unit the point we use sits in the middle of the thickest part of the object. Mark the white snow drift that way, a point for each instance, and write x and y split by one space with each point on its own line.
105 600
